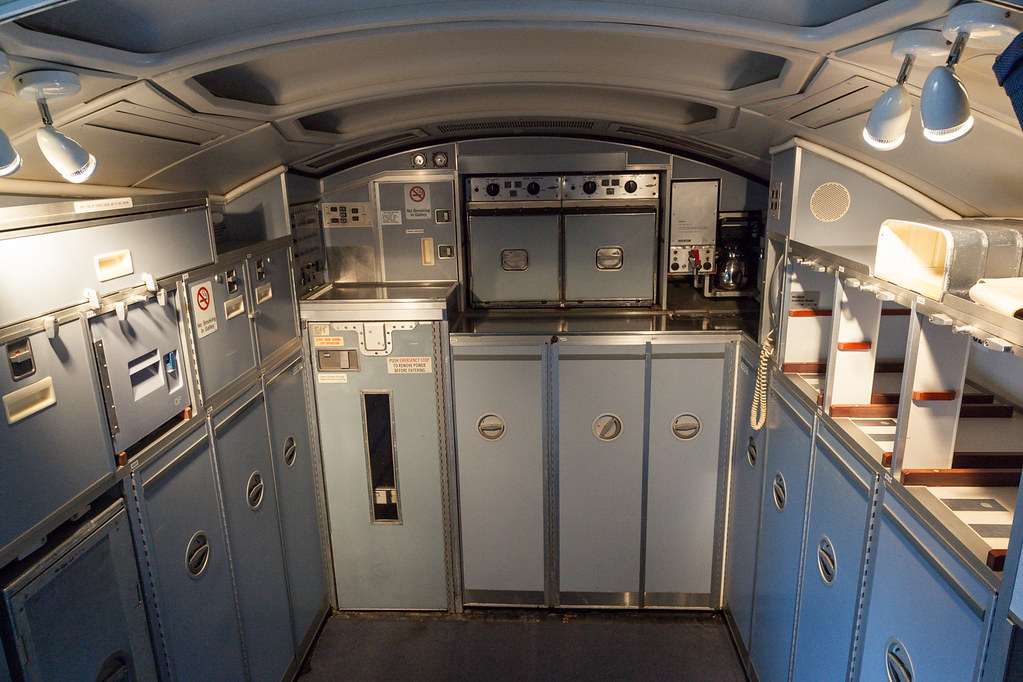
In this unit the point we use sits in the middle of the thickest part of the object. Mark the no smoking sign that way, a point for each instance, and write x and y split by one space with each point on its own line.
417 202
203 312
417 194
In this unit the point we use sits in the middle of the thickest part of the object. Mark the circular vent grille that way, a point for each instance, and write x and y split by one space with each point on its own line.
829 202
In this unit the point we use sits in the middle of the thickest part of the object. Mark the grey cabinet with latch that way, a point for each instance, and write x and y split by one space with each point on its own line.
179 532
272 300
246 469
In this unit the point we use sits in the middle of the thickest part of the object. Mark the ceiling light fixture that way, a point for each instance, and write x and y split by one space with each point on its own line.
944 103
10 159
886 125
66 156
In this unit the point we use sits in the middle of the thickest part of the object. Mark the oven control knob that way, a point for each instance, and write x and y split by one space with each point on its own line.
493 189
589 187
533 188
631 186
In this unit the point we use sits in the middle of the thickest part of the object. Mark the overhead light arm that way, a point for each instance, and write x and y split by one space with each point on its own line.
66 156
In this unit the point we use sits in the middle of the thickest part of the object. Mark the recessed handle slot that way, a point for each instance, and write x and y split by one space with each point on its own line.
197 554
28 400
610 258
264 293
19 355
751 452
254 490
290 451
145 375
490 427
113 265
898 664
826 560
426 244
514 260
607 427
686 426
779 491
234 307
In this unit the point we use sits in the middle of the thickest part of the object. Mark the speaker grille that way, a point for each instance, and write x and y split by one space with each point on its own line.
829 202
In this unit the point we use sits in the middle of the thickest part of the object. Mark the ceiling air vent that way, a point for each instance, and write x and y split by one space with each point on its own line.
849 98
486 126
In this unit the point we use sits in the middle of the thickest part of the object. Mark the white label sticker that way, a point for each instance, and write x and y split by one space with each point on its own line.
390 217
320 329
329 341
410 365
332 378
417 230
204 310
805 300
93 205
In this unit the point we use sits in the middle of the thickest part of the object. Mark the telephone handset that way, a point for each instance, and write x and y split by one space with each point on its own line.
758 410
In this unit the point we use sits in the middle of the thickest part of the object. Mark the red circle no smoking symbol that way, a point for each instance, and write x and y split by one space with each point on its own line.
202 297
416 193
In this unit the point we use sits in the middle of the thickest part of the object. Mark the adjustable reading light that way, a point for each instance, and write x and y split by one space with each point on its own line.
10 159
65 155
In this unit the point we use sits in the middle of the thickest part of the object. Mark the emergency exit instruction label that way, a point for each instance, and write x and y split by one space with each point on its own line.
203 310
410 365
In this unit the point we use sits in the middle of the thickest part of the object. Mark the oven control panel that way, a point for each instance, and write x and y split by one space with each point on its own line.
612 186
517 188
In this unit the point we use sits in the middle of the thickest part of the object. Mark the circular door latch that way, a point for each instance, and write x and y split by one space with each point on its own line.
197 554
826 561
254 490
607 427
290 451
490 427
897 663
751 452
686 426
779 491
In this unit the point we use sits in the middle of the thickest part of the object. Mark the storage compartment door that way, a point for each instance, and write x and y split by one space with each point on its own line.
187 555
52 430
250 506
500 435
781 536
514 258
273 300
600 479
610 257
683 485
293 467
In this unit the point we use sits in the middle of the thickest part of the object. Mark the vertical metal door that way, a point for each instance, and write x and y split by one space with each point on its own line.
396 563
273 300
250 507
221 327
836 537
600 472
81 615
514 258
610 256
747 470
500 435
781 534
52 428
683 484
186 553
294 475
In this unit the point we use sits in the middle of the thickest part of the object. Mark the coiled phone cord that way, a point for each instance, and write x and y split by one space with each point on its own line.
757 421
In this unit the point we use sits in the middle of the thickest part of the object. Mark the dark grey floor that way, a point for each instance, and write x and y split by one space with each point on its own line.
524 645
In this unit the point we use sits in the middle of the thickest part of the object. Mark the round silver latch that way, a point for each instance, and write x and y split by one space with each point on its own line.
290 450
826 560
897 663
779 491
751 452
686 426
197 554
490 427
607 427
254 490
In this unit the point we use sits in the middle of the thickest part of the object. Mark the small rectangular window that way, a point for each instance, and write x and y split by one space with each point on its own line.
378 419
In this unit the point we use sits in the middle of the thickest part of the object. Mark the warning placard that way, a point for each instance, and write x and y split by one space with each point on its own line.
390 217
805 300
329 341
204 311
332 378
410 365
417 202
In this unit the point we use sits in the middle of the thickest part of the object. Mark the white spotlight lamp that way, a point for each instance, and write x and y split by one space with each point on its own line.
10 159
886 125
66 156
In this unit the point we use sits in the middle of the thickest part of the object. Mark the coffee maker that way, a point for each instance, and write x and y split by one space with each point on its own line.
739 247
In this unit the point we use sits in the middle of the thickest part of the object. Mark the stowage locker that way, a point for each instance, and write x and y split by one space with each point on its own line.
272 299
189 587
52 428
77 610
610 257
246 471
500 435
293 466
514 258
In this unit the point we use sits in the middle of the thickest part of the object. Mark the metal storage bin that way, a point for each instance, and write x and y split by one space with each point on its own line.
947 256
76 612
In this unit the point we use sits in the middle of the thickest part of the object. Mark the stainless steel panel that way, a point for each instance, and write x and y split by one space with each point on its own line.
781 534
683 487
222 332
52 430
198 624
500 436
617 186
537 235
77 611
600 490
294 475
415 218
384 565
585 277
143 362
250 506
519 188
272 300
105 256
